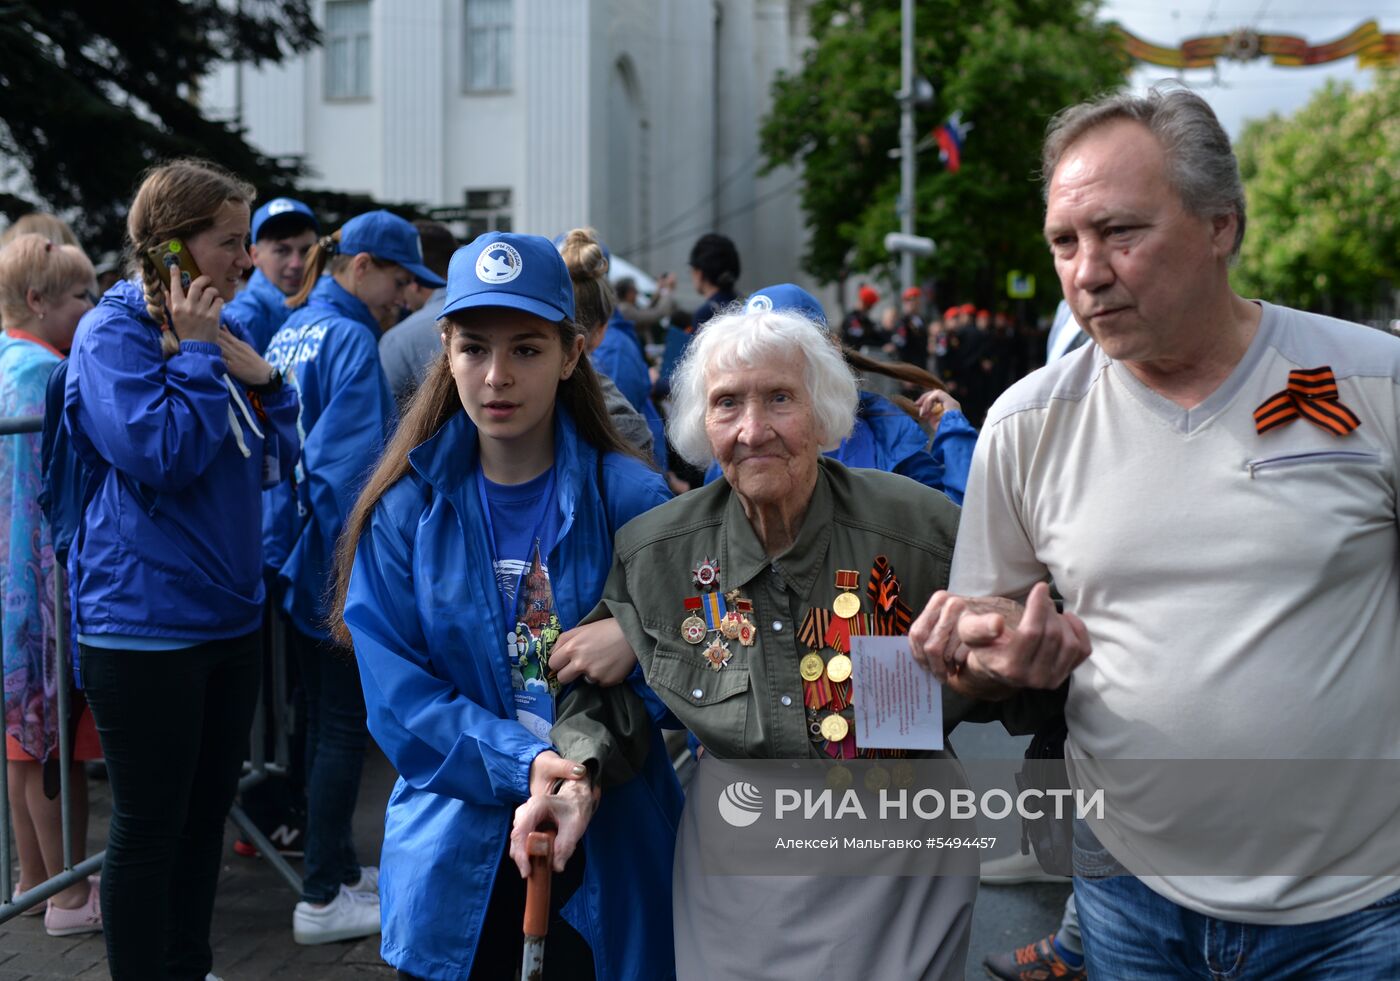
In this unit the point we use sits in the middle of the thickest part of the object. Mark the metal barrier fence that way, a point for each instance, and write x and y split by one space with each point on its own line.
258 767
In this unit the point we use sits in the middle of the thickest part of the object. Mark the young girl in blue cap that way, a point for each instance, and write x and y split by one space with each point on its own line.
182 423
484 532
328 349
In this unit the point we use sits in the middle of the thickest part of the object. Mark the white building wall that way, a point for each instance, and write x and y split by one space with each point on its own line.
653 154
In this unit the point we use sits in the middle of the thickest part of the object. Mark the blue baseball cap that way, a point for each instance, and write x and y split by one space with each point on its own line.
786 296
389 238
290 207
502 269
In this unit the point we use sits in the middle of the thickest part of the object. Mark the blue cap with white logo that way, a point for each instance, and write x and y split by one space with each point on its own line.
501 269
389 238
786 296
285 211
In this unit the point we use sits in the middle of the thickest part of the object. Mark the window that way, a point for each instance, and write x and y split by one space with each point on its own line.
487 211
347 49
490 35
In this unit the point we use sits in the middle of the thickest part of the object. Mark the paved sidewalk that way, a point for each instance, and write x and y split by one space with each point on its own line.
252 930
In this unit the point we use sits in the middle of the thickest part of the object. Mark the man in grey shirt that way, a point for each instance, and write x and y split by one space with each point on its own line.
1212 487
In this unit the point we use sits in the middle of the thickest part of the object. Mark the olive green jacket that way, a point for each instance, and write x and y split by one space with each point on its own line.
753 707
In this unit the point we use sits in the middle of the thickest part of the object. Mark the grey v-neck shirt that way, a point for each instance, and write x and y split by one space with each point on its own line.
1241 591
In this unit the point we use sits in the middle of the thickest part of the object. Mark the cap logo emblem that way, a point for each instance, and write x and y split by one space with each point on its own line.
498 264
279 206
759 303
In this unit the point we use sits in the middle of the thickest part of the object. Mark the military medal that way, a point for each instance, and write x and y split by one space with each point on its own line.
838 669
812 667
717 653
706 574
877 778
729 625
835 728
847 604
693 628
747 633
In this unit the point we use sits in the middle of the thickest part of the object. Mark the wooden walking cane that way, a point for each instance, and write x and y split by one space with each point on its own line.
539 846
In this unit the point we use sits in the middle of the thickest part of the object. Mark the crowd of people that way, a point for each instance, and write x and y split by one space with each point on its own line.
513 548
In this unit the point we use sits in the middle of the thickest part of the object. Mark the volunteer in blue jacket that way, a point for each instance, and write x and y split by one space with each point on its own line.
885 436
183 424
329 349
485 531
284 230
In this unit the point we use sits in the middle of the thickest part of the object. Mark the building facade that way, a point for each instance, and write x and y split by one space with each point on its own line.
638 117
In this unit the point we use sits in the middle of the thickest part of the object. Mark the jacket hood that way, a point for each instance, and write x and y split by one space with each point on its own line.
129 296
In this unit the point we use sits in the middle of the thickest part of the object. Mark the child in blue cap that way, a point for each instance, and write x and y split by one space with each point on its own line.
483 536
328 351
284 229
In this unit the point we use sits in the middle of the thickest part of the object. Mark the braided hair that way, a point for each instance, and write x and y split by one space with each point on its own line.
175 200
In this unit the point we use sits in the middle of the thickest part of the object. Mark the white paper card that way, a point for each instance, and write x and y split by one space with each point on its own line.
898 704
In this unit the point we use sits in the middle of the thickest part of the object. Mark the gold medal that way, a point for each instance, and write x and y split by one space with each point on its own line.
838 669
838 778
847 604
729 626
812 667
693 630
835 728
877 778
903 774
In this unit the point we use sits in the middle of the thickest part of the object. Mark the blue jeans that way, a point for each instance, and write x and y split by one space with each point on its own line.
335 755
1131 932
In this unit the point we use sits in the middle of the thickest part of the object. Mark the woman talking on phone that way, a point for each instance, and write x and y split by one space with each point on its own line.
182 423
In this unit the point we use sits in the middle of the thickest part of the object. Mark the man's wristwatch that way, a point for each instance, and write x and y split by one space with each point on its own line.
273 384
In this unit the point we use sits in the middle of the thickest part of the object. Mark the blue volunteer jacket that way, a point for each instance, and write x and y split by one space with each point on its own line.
620 357
429 637
328 350
170 544
261 308
886 438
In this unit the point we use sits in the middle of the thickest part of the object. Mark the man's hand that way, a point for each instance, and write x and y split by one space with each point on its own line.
597 652
989 647
569 809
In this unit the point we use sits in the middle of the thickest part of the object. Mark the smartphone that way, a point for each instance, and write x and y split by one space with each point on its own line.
167 256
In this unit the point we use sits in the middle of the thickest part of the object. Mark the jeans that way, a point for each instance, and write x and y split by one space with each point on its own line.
174 729
335 755
1131 932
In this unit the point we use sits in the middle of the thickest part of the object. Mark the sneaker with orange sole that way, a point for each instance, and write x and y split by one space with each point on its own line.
1038 961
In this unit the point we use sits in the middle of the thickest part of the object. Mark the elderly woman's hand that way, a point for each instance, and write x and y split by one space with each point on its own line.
596 652
569 809
989 647
195 314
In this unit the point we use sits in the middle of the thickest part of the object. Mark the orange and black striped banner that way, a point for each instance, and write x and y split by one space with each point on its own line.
1312 394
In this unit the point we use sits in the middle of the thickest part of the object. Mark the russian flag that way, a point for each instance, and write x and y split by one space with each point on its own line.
950 137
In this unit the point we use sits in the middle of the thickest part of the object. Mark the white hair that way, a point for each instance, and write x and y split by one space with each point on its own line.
740 339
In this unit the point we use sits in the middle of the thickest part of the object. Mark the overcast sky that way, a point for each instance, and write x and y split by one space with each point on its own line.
1241 92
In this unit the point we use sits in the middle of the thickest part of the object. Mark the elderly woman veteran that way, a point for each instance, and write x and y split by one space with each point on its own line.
779 541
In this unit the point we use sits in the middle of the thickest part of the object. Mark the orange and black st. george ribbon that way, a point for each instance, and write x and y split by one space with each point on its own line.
1311 394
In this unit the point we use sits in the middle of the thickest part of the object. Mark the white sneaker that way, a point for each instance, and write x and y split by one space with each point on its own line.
368 882
349 915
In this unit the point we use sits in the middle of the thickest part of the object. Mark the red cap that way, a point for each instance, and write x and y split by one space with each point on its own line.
868 296
913 293
968 308
950 313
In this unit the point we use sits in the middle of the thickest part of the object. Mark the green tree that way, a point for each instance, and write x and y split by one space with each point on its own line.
95 92
1323 195
1007 65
